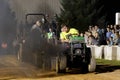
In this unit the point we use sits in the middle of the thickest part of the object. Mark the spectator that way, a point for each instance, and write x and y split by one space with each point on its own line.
98 30
108 42
111 41
90 34
117 39
97 38
51 36
108 26
90 28
115 28
113 34
103 37
86 37
37 26
93 31
81 35
36 37
108 33
111 27
92 41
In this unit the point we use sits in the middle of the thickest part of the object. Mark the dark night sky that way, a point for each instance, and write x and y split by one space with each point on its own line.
111 7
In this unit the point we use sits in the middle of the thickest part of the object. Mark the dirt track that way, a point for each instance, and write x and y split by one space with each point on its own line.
12 69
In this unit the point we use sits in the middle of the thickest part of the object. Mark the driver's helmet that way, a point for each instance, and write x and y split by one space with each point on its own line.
73 31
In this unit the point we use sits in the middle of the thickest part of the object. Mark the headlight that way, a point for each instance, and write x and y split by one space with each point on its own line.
78 52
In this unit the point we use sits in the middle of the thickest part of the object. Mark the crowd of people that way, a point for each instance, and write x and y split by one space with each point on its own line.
93 36
105 36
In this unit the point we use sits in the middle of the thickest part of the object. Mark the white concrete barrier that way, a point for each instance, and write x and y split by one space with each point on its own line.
114 52
118 54
106 52
97 51
110 52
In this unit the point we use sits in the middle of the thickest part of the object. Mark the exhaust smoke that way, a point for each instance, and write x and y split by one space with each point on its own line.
12 22
7 27
40 58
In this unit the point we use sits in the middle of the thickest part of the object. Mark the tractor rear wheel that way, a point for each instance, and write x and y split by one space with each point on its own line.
61 63
92 65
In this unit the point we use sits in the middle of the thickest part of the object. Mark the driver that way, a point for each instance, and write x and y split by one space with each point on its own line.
65 33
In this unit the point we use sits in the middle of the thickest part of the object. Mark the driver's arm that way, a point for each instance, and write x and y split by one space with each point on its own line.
63 38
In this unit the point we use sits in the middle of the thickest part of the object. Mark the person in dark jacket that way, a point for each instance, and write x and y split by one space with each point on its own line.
36 36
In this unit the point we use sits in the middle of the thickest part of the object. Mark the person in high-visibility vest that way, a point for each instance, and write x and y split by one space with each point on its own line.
64 33
50 34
